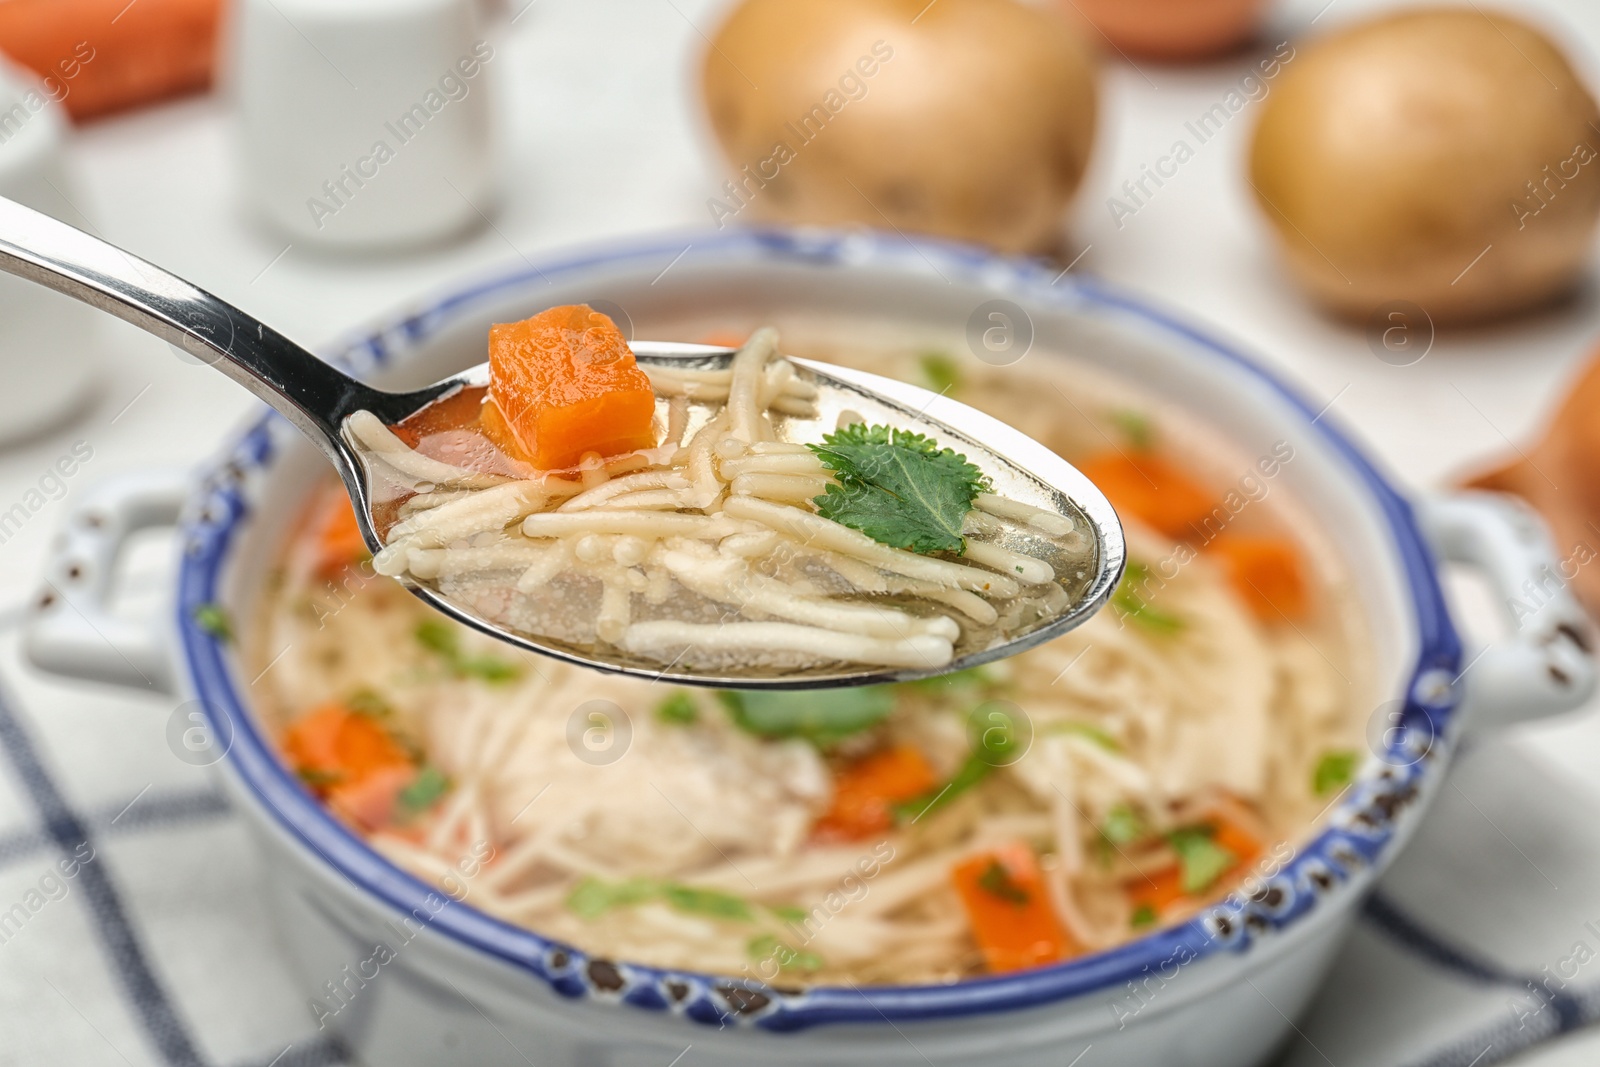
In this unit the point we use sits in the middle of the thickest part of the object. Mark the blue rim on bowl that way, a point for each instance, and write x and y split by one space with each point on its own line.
1360 826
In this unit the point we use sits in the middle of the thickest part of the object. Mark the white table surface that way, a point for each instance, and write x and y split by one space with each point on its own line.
161 183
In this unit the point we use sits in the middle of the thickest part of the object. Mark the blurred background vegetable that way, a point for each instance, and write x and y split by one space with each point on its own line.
99 56
970 119
1443 156
1560 477
1171 29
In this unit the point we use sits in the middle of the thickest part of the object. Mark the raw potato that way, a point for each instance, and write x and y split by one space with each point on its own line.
975 121
1392 154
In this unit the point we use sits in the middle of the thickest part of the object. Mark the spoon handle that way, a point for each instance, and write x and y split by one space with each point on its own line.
312 395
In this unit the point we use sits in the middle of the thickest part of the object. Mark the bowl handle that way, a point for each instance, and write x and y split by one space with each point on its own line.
1543 665
72 631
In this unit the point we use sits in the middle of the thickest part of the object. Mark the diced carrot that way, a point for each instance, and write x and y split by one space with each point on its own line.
341 746
567 383
370 801
1238 840
1008 908
1157 891
98 56
725 338
1152 490
864 792
1265 571
1160 890
499 432
339 541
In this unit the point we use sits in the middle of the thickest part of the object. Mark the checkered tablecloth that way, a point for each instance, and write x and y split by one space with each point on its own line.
132 930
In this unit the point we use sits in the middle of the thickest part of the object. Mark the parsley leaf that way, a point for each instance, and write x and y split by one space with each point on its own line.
213 619
768 947
1201 861
423 793
1089 732
973 771
898 487
593 897
821 716
1123 826
1128 600
997 881
1143 915
1334 771
678 709
440 638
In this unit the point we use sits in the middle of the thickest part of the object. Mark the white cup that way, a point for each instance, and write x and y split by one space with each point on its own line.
364 123
48 342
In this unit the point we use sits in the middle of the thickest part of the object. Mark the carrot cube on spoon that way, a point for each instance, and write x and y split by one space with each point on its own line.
566 383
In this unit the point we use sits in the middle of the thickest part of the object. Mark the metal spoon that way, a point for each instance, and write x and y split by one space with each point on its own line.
318 399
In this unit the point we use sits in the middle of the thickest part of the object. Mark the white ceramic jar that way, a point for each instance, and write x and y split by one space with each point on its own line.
364 124
47 341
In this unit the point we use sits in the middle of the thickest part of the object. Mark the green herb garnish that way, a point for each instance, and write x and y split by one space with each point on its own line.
593 897
1135 427
973 771
1143 915
213 619
789 913
997 881
1088 731
1201 861
768 947
940 371
440 638
1334 771
821 716
370 703
710 902
1123 825
678 709
423 793
1128 600
962 679
898 487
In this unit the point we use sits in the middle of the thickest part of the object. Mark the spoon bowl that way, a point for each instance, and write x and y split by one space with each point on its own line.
319 400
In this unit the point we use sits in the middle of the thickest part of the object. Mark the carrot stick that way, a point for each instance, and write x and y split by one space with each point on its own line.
864 793
1008 908
1152 490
